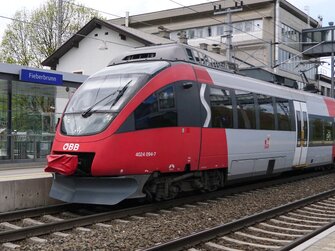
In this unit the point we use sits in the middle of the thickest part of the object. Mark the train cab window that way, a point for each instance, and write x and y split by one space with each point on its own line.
283 114
158 110
246 115
266 112
221 108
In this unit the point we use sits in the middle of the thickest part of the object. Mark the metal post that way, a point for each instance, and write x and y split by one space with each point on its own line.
219 11
332 72
229 36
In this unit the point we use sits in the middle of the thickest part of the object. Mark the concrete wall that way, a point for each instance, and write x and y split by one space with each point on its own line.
89 57
18 194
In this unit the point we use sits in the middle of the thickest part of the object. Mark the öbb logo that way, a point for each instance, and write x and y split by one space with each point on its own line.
71 147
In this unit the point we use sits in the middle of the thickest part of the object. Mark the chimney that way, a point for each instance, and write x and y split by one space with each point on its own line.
204 46
182 37
126 19
163 32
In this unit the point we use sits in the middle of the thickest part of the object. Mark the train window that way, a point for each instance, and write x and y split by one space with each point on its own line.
298 128
316 130
246 115
305 127
158 110
266 112
221 108
166 99
283 114
328 131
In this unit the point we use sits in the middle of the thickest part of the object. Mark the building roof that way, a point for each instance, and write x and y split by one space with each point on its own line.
141 20
140 36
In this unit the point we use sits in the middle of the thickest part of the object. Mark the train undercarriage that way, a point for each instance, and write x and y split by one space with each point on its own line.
168 186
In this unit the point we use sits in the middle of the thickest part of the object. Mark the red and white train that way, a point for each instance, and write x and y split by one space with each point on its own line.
164 119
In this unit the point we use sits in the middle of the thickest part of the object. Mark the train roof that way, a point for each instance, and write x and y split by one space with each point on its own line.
217 66
176 52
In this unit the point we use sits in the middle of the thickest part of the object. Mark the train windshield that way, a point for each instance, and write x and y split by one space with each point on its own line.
95 104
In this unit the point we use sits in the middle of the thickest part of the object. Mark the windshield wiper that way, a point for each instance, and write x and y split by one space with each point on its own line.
121 92
89 111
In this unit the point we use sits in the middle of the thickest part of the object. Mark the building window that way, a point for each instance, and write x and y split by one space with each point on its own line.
290 36
123 37
158 110
219 30
221 108
292 63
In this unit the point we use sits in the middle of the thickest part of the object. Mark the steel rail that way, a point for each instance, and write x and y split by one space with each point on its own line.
209 234
33 212
19 234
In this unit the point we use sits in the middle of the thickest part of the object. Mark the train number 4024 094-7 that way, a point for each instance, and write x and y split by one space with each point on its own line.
145 154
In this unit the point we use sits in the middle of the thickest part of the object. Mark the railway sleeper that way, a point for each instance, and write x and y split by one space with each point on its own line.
161 186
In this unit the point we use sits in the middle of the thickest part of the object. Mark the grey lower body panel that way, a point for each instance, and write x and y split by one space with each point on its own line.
97 190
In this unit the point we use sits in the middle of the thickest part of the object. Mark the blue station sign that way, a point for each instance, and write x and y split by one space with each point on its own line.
41 77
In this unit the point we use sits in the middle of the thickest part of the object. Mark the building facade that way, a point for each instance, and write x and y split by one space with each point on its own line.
266 34
93 47
31 101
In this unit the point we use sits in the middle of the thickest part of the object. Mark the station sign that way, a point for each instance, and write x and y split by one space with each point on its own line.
41 77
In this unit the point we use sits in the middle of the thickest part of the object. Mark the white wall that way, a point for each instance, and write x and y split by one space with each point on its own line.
88 58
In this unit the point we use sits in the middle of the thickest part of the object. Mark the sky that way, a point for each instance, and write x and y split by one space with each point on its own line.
316 7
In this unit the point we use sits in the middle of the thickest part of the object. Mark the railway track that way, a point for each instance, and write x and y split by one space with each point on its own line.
281 228
26 225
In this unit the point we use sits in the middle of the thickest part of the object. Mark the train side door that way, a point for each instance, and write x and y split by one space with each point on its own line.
189 121
302 133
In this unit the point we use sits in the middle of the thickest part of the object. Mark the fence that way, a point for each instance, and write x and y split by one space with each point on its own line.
25 146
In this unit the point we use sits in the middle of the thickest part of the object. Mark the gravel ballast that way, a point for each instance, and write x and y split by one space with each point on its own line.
140 233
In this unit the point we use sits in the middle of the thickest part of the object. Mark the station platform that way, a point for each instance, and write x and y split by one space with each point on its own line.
24 185
324 241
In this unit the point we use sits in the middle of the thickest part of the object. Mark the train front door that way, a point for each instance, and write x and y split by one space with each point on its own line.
302 134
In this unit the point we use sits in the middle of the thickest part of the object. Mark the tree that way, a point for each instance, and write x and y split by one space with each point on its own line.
32 37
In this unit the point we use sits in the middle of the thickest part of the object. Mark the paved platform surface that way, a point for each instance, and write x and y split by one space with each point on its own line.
324 241
23 171
24 185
